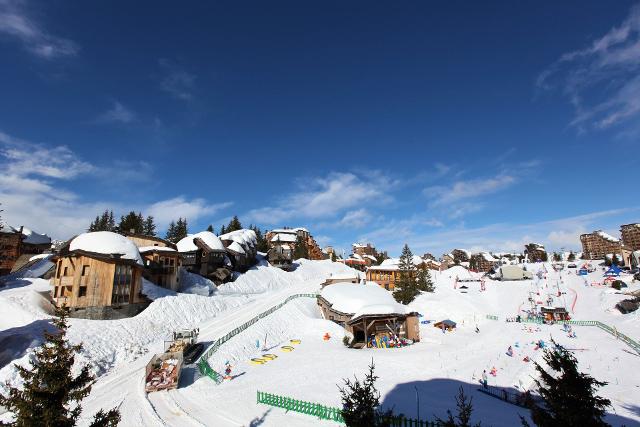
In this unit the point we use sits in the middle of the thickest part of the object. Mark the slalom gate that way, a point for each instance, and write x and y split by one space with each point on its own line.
323 412
203 364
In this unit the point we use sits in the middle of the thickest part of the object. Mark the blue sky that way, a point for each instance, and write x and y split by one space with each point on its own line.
477 125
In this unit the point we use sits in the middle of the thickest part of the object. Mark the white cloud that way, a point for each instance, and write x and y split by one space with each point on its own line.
168 210
118 113
326 197
176 80
16 23
601 81
461 190
355 219
32 190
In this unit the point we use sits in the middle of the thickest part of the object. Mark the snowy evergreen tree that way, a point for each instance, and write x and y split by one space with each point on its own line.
103 222
361 401
557 257
222 230
463 418
234 224
131 223
210 229
51 394
406 289
569 395
571 257
181 229
149 228
423 281
261 241
171 232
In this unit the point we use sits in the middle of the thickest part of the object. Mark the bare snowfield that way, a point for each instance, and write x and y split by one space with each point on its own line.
433 369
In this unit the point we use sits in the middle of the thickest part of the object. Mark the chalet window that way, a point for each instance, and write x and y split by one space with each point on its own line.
82 291
85 270
122 281
59 272
66 271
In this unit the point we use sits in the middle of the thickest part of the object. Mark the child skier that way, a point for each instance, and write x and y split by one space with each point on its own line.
227 370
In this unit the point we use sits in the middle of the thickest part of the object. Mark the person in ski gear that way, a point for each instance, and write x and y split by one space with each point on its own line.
484 379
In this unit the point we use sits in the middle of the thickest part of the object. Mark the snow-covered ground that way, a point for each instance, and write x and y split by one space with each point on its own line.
433 369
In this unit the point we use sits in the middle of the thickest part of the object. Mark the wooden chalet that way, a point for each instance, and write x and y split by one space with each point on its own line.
292 236
10 248
162 261
99 275
204 254
388 273
368 312
241 248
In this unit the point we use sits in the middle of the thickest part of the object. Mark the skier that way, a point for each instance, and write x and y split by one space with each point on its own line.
484 379
227 370
477 329
510 351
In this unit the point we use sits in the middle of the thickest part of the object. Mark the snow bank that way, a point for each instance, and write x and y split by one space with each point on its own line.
106 242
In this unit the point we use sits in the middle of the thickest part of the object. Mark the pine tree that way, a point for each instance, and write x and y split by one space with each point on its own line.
111 222
571 257
406 289
210 229
171 232
261 241
301 250
149 227
181 229
222 230
423 281
94 225
234 224
557 257
51 394
463 418
569 395
131 223
103 222
361 401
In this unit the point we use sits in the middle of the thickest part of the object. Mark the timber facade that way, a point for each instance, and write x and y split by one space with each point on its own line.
10 249
90 282
631 236
597 245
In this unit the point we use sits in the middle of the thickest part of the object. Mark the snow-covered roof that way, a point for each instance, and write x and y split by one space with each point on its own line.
289 230
144 249
358 299
235 247
208 238
607 236
282 237
35 238
488 257
31 237
243 237
106 242
371 257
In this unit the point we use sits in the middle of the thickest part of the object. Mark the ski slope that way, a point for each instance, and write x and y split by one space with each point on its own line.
434 368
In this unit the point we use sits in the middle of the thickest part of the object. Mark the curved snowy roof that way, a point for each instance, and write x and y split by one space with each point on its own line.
352 298
108 243
243 237
208 238
32 237
235 246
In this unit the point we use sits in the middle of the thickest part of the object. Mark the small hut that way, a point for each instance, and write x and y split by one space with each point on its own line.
369 313
447 324
99 275
557 314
